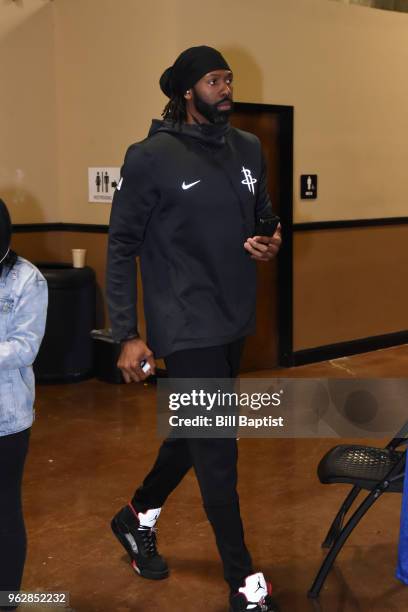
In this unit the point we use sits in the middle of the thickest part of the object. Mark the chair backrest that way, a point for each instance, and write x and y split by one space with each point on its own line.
400 438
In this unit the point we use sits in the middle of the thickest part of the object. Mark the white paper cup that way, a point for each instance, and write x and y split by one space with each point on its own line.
78 258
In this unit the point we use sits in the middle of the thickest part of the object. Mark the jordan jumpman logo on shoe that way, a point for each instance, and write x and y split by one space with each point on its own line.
255 596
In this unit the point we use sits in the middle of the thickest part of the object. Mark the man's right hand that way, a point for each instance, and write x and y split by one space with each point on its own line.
133 352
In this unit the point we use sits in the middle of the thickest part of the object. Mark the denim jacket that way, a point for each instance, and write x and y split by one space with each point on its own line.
23 310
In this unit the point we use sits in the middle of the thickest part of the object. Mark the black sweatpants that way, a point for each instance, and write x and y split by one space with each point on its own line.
13 451
214 461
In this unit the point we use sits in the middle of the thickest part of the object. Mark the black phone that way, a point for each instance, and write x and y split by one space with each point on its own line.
266 226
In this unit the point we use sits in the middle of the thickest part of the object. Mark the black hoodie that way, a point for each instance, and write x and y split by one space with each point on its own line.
186 202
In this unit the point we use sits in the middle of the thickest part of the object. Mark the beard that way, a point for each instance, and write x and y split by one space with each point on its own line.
211 111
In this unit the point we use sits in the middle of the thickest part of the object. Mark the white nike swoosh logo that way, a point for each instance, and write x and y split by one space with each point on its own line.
184 186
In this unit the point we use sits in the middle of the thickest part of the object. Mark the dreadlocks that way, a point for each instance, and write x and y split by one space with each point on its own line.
190 66
175 110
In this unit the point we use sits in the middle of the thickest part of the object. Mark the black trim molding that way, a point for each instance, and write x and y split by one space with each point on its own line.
20 228
24 228
348 223
344 349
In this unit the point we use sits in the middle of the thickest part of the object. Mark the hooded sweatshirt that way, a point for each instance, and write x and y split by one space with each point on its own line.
186 202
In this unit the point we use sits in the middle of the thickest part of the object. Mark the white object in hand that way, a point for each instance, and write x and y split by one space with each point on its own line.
145 366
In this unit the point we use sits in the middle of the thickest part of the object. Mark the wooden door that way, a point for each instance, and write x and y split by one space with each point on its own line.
261 350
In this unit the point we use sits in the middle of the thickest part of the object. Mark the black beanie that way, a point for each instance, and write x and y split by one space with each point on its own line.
190 66
5 230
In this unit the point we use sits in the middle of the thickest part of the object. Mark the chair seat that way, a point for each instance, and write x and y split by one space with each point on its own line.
363 466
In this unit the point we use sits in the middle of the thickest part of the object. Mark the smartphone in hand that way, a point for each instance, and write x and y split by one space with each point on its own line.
266 226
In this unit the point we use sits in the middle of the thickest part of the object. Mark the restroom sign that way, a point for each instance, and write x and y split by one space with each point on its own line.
102 183
308 186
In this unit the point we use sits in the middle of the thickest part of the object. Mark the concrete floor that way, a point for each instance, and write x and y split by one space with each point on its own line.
92 444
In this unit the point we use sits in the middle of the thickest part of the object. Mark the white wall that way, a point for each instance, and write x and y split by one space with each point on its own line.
82 83
28 123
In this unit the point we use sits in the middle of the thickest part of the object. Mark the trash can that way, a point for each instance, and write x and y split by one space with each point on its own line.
106 356
66 353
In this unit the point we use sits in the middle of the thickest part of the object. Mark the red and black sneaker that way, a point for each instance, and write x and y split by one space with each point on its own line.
255 596
137 534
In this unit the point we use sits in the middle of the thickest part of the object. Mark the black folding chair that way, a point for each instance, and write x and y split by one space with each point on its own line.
378 470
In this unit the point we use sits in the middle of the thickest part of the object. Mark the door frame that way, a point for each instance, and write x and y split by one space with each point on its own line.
285 258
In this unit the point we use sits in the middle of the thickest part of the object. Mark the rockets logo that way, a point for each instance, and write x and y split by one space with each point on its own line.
248 180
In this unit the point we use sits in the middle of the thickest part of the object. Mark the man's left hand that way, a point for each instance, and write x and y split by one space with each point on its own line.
264 248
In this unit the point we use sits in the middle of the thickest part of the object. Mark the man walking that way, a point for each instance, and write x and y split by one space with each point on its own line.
187 203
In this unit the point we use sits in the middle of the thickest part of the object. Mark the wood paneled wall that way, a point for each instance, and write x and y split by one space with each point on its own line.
349 283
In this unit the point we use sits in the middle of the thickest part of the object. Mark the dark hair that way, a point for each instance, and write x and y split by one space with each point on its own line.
5 238
9 261
175 110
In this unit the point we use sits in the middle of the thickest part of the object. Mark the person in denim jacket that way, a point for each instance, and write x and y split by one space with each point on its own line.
23 310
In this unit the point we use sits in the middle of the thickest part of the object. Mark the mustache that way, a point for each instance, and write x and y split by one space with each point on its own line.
225 99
